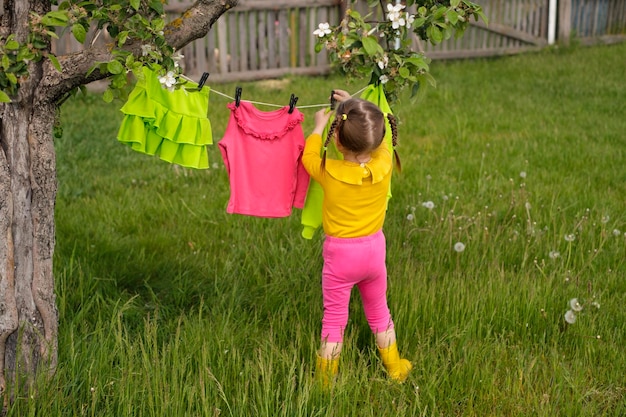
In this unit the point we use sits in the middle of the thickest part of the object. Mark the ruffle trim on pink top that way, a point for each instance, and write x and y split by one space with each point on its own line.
280 120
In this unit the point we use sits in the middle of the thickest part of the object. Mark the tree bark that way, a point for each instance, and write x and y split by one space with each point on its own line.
28 186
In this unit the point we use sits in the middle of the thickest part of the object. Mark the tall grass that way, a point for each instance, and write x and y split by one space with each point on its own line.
171 307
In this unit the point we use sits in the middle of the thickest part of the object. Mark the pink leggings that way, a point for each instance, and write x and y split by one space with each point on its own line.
348 262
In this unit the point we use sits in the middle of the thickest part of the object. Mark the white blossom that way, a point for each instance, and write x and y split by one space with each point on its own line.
168 80
409 20
146 49
322 30
382 64
395 16
383 79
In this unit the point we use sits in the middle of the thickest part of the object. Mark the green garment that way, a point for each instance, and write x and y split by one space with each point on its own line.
170 124
312 211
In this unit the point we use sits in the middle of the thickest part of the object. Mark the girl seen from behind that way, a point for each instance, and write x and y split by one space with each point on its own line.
354 208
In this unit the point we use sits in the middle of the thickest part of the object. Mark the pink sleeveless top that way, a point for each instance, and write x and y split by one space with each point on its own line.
262 152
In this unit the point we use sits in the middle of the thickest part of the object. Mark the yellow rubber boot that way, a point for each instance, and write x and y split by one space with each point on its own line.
326 370
397 368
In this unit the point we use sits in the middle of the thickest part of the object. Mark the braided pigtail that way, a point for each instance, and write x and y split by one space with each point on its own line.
331 132
394 139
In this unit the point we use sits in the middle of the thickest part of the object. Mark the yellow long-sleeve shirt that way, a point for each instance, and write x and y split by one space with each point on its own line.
355 195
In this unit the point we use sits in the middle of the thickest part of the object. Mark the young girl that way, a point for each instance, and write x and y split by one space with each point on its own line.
354 207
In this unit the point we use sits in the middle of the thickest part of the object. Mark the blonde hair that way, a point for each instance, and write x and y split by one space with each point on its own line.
360 128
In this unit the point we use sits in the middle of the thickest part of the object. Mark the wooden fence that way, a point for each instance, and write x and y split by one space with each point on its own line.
270 38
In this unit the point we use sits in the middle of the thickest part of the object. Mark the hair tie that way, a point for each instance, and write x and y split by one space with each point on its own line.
344 116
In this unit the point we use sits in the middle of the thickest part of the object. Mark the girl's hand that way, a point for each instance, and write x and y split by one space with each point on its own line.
321 119
341 95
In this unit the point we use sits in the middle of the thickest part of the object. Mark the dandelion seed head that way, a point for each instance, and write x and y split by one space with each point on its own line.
570 237
596 304
616 232
429 205
522 174
570 317
527 205
554 254
459 247
410 217
575 305
605 219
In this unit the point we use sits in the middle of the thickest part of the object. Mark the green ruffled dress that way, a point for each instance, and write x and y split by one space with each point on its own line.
170 124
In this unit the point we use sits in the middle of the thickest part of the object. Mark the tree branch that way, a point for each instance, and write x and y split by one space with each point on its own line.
194 23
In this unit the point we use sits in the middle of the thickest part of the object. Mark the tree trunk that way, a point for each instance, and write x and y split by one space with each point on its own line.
28 182
28 313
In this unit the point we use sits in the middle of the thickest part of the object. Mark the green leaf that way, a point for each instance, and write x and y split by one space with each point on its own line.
420 63
12 45
4 98
371 46
439 13
453 17
107 96
455 3
135 4
52 34
39 44
121 39
157 6
25 54
418 22
130 60
404 72
118 81
157 24
55 18
12 78
55 62
115 67
79 32
434 35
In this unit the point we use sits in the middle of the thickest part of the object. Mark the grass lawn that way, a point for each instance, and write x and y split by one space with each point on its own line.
169 306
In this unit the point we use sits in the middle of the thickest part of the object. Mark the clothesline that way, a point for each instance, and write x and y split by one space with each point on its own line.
280 105
271 104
